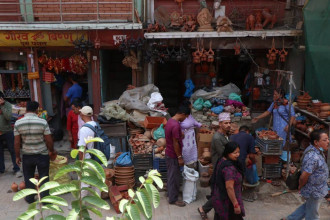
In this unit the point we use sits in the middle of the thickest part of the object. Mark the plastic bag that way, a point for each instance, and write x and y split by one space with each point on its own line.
124 160
159 132
207 104
235 97
198 104
189 88
155 98
55 165
251 174
189 191
114 111
217 110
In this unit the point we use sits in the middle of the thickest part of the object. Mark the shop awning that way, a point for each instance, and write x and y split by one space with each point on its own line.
317 26
214 34
75 26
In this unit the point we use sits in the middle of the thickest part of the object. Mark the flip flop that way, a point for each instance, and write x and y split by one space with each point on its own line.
202 214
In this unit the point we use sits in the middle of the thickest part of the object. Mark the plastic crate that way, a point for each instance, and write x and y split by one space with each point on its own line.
270 147
159 163
271 159
271 171
141 161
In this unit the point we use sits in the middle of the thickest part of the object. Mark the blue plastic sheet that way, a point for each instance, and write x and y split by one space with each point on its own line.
189 88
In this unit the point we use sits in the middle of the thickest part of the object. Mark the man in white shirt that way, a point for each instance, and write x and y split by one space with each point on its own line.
86 114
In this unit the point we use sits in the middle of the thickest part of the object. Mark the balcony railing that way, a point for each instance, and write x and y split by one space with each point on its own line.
66 11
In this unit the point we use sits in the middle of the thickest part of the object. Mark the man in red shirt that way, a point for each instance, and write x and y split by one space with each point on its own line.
72 123
173 154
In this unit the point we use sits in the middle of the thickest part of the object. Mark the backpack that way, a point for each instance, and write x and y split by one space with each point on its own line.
104 147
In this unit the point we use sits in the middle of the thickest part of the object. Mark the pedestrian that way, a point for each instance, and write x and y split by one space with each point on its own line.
189 147
234 128
226 184
37 147
313 179
75 91
219 140
7 135
173 153
72 122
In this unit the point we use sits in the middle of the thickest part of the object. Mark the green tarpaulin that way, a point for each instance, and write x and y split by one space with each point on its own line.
317 33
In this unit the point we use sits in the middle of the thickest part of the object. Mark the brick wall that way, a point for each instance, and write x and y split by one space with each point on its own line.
51 12
237 10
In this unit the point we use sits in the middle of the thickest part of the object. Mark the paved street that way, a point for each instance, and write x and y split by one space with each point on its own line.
264 208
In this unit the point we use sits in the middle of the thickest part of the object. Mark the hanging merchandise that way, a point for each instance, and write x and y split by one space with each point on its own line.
283 53
237 48
272 53
210 54
189 88
48 77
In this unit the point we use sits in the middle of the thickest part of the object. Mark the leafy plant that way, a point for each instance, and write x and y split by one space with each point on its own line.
142 200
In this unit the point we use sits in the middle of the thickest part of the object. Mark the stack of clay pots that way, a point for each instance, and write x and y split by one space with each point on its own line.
324 111
124 176
304 100
316 107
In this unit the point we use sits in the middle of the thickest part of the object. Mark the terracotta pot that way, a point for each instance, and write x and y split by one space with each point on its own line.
14 187
109 173
161 142
147 133
21 185
205 68
325 108
206 154
204 179
124 168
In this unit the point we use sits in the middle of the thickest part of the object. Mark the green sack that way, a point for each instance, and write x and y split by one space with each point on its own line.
159 132
198 104
207 104
235 97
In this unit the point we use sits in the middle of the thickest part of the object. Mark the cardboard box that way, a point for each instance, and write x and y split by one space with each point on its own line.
205 137
200 147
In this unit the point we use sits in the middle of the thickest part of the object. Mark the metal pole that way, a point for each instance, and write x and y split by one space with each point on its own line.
288 135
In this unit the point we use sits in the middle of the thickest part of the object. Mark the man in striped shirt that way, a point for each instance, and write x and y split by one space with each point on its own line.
37 146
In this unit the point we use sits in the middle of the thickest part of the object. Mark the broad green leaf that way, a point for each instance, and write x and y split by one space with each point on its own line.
34 181
158 181
54 200
93 139
66 169
137 202
96 201
149 180
153 193
92 180
85 213
55 217
131 193
73 214
145 202
95 211
23 193
88 172
62 189
141 179
74 153
122 203
96 167
81 149
91 191
42 179
75 194
32 206
75 204
133 212
52 207
48 185
28 214
99 155
154 173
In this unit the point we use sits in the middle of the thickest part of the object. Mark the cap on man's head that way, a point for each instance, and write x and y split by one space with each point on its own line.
224 116
86 110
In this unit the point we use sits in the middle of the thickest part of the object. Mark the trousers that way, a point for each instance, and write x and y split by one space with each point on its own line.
9 138
30 163
173 179
308 210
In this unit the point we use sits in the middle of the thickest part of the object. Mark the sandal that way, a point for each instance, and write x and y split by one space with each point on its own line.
202 214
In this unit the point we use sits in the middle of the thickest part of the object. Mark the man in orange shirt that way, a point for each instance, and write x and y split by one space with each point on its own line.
72 123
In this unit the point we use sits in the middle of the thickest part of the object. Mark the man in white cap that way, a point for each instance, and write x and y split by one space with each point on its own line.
219 140
86 114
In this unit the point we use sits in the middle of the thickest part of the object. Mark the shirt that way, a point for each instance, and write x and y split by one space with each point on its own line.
32 129
172 130
75 91
315 164
246 144
5 117
218 143
72 122
86 132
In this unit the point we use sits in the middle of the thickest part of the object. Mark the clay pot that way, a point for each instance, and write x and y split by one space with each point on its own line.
206 154
124 168
21 185
204 179
325 108
14 187
109 173
147 133
161 142
205 68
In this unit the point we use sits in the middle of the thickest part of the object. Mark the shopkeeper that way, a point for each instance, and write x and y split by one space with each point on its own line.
280 110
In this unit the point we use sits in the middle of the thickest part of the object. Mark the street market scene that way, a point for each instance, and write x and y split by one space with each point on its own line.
158 109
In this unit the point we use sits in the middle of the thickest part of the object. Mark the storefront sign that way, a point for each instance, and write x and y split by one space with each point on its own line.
39 38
